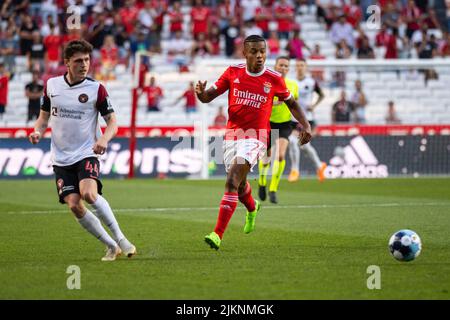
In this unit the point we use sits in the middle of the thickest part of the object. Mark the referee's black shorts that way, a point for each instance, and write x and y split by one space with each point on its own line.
280 130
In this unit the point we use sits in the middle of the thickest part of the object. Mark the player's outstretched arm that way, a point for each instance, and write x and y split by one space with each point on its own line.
297 112
110 131
204 95
39 127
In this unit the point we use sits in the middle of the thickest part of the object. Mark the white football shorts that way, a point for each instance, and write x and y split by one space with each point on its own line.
248 149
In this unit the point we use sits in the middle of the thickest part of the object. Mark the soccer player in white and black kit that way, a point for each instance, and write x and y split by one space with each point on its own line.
71 103
306 88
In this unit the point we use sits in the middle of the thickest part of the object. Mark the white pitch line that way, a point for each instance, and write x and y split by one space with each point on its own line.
270 207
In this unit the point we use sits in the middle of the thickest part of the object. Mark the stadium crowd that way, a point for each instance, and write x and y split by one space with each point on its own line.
118 28
38 30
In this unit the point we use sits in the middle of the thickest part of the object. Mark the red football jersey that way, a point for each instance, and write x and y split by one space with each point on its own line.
250 99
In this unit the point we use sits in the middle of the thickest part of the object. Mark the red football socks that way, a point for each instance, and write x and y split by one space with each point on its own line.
227 207
246 198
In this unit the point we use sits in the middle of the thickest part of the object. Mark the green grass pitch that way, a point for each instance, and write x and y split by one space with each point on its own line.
316 244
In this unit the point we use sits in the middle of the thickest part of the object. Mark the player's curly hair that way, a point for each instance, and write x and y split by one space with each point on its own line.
77 46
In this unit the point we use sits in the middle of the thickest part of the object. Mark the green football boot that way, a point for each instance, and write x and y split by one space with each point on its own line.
251 217
213 240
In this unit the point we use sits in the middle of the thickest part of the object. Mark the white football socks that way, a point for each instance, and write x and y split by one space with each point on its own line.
91 223
294 153
104 212
312 154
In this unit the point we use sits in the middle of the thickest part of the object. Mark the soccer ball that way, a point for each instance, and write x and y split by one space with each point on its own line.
405 245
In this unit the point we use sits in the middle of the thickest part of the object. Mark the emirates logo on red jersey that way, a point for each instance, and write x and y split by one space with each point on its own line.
267 87
248 98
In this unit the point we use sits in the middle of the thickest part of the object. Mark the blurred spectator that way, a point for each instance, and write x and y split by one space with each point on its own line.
154 95
48 25
202 46
387 38
129 14
365 51
342 52
178 50
26 34
9 48
36 54
214 38
49 8
326 10
6 9
200 16
139 42
158 13
317 73
263 16
34 91
353 13
52 43
359 102
248 8
428 50
411 15
430 19
176 18
20 6
391 17
122 38
274 45
295 46
145 17
232 32
226 11
391 114
405 50
191 100
99 30
419 35
342 110
34 7
251 28
220 120
109 54
342 31
284 15
4 79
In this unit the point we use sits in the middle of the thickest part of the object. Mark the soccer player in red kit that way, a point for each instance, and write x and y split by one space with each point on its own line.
251 89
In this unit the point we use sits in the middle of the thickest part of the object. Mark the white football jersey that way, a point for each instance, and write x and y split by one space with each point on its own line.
306 88
74 113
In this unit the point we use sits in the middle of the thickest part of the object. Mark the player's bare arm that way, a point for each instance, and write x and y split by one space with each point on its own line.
101 144
204 95
319 99
40 127
299 115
